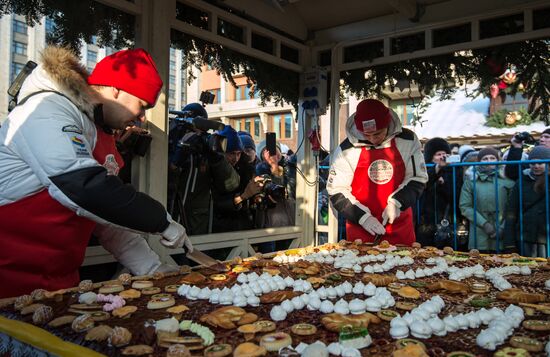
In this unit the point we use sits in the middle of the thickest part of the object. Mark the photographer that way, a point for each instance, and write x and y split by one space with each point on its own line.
195 169
277 207
516 151
234 211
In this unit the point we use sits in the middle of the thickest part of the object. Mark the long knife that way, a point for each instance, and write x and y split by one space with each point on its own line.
199 257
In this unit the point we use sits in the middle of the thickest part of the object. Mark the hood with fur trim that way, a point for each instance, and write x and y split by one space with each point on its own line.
60 70
356 138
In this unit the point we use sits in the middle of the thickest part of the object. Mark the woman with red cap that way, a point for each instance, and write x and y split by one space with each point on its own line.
58 167
376 175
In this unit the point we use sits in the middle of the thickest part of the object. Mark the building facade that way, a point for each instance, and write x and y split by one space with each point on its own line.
240 107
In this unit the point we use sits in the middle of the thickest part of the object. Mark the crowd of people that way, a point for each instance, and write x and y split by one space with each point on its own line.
485 200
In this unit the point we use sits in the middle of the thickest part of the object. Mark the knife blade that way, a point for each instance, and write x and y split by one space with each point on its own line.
199 257
377 239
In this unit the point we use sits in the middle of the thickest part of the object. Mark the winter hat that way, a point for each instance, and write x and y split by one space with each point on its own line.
371 115
464 150
539 153
234 143
247 140
132 71
488 151
471 156
434 145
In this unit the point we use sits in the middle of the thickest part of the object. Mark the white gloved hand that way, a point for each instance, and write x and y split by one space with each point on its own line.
390 214
175 236
373 226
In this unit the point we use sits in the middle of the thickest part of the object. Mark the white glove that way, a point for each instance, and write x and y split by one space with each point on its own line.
373 226
175 236
390 214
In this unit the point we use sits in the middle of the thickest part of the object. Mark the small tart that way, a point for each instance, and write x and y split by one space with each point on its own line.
271 271
124 311
460 354
83 323
395 286
178 351
536 325
86 306
218 277
387 315
249 349
220 350
120 336
62 320
404 305
266 325
303 329
30 309
160 302
402 343
111 288
130 294
249 330
178 309
185 340
150 290
171 288
137 350
125 278
347 272
100 315
247 318
240 269
511 352
142 284
272 342
99 333
479 287
409 292
526 343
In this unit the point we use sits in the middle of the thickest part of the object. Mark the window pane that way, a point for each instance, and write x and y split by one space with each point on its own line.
19 27
238 93
247 125
257 128
15 69
19 48
277 125
288 125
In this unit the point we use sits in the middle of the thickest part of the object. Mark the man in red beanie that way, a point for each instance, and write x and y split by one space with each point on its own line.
58 167
376 175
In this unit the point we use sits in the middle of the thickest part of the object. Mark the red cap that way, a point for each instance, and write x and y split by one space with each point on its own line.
132 71
372 115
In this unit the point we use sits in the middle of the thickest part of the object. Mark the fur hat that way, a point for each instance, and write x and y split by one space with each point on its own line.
371 115
488 151
539 153
434 145
132 71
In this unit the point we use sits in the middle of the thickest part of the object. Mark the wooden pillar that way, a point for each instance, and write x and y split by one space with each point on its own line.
150 174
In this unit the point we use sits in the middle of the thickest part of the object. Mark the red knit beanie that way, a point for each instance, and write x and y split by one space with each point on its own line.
372 115
132 71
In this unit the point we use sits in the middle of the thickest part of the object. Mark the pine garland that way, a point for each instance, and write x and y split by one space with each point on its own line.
81 20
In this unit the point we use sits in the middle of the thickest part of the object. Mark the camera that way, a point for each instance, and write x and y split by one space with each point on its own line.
138 142
524 137
276 192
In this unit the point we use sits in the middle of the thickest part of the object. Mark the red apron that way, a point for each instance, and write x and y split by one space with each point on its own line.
42 242
378 174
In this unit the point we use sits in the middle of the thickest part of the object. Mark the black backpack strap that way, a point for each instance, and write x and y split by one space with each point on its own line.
24 100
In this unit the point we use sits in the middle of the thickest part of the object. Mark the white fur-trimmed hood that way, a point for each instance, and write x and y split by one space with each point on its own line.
60 70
